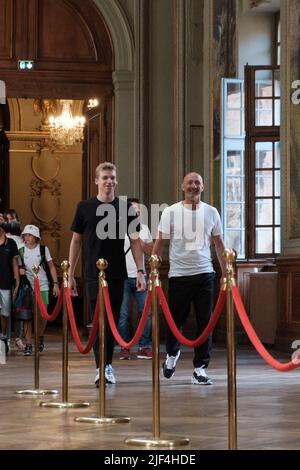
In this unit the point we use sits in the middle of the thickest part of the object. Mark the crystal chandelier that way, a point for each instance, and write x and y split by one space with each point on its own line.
65 129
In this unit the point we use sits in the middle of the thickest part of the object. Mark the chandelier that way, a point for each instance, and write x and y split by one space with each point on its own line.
66 129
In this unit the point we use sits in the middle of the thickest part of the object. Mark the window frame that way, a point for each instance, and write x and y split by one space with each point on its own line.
255 134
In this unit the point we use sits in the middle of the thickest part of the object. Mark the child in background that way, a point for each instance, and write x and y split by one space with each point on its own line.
32 254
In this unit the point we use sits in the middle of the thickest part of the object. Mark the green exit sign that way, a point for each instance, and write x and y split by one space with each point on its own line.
25 64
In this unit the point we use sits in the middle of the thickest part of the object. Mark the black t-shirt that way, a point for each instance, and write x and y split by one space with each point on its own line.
113 222
8 250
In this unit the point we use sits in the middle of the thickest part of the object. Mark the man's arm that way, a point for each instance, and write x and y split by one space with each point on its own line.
146 247
137 254
16 274
53 273
220 248
74 253
158 245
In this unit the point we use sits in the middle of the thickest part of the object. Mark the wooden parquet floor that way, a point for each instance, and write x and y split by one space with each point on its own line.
268 403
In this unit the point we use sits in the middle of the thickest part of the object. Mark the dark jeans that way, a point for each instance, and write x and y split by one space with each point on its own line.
115 289
140 297
183 291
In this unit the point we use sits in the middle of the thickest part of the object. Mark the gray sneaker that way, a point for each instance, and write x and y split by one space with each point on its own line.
200 377
169 365
109 375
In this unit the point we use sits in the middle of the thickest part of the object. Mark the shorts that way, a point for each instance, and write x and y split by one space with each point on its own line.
45 296
5 302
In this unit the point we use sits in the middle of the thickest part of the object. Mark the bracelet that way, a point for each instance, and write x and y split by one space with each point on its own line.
55 282
141 271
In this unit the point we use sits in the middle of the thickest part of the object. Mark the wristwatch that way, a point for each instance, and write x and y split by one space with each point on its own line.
141 271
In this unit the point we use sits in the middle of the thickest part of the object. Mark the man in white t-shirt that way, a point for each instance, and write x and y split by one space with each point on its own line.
191 226
130 292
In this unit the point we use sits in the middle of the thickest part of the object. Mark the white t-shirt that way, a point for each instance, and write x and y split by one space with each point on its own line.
33 257
145 236
190 232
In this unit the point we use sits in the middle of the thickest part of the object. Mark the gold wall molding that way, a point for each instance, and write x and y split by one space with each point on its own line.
45 165
38 186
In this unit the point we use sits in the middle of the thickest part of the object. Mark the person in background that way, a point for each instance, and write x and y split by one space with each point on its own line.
130 292
12 218
9 280
31 254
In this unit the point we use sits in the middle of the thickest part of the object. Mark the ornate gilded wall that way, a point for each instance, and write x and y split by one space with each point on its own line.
45 182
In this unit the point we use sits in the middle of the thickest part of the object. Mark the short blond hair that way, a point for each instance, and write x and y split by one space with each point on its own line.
105 166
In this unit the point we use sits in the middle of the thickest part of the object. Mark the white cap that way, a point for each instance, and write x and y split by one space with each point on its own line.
31 230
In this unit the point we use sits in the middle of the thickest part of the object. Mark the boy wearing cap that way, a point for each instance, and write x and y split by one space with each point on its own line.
31 255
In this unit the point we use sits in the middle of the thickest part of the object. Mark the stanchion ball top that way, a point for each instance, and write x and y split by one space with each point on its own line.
155 261
102 264
229 255
65 265
36 270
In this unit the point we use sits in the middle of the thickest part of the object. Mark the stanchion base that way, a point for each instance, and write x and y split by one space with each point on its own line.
104 420
167 441
63 404
36 392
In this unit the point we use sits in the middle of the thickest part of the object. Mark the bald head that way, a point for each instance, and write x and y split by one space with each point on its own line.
192 186
192 175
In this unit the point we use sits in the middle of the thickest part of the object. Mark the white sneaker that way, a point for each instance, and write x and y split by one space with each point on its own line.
169 365
109 374
97 378
200 377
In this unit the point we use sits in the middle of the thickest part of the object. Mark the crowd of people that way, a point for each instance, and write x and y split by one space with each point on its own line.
20 250
101 230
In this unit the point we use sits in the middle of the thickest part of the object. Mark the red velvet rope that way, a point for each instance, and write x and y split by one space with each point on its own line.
113 326
41 304
80 347
255 340
208 329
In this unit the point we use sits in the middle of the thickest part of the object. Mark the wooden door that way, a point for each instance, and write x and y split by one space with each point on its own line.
97 148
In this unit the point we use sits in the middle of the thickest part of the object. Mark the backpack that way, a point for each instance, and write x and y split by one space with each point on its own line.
22 303
43 262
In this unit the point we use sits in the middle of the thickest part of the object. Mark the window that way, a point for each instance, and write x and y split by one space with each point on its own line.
233 165
276 47
251 163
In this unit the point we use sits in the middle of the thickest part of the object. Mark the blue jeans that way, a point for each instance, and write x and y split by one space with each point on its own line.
140 297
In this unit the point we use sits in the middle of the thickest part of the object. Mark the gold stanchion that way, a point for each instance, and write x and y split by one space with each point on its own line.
102 419
65 403
156 440
229 256
36 391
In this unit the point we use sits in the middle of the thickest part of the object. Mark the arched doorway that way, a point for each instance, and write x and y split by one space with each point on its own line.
72 51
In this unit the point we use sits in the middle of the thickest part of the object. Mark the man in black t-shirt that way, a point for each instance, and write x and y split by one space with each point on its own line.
101 223
8 272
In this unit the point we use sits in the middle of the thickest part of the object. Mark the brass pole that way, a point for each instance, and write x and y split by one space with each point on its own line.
156 440
65 356
155 262
36 270
36 391
229 256
101 265
102 418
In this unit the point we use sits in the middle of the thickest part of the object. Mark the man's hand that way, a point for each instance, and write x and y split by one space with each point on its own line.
72 286
140 282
